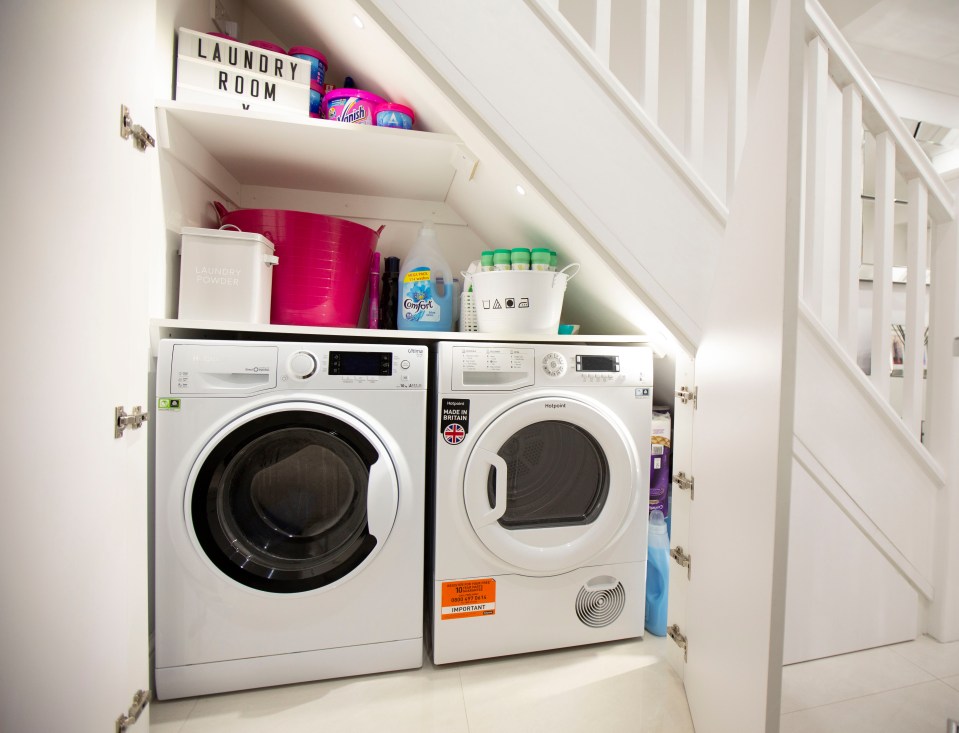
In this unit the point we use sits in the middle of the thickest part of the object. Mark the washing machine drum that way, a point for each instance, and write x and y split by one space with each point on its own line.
281 502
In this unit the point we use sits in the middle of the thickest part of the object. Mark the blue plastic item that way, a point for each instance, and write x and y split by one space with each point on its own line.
657 574
426 301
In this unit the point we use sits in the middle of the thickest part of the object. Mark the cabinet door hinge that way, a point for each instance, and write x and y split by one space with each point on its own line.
684 483
676 635
140 700
687 395
684 560
141 138
122 421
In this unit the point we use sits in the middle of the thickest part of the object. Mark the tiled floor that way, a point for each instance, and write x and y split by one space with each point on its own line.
616 687
903 688
621 686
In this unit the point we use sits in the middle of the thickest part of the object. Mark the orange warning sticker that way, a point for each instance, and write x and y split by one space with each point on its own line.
465 598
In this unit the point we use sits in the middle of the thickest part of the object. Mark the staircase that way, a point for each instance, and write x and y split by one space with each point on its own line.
666 88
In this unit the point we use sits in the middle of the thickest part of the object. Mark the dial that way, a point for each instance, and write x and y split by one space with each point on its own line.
302 364
554 364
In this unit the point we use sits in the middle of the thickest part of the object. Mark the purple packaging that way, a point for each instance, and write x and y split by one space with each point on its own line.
659 461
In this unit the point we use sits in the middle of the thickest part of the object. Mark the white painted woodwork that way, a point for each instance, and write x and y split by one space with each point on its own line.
913 368
602 30
942 425
885 220
878 113
633 217
817 81
738 89
684 416
695 82
82 214
850 236
885 468
742 442
838 579
649 96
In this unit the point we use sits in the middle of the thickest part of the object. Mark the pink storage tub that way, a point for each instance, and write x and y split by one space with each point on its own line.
351 105
326 264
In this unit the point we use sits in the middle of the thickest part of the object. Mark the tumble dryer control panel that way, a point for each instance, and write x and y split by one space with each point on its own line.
507 367
237 368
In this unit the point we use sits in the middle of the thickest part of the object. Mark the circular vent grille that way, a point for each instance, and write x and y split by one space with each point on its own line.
599 608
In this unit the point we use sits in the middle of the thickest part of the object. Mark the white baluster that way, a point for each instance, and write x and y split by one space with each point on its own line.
915 325
696 83
882 262
738 89
850 237
649 94
603 30
817 81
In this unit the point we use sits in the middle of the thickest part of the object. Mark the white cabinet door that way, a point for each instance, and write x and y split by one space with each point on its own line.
743 424
80 213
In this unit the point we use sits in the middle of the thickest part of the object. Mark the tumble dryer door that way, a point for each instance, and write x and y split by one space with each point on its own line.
292 497
547 489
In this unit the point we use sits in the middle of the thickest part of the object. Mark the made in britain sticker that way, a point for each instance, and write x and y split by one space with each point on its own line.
468 598
455 420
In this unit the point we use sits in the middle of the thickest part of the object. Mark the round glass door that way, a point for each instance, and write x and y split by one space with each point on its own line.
292 500
547 492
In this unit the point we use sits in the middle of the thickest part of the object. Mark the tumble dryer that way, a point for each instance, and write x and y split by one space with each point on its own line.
289 525
540 497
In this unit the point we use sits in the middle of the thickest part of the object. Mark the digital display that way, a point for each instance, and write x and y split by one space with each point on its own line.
361 363
597 363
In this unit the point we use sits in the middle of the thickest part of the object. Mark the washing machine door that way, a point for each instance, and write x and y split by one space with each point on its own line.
547 489
292 497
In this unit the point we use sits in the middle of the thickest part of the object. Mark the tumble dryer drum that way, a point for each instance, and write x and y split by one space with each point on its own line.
547 495
280 503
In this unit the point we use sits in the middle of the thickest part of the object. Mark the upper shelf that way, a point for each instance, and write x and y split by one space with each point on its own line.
230 149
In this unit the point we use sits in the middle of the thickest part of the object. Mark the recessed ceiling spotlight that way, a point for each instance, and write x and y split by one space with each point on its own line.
357 21
520 190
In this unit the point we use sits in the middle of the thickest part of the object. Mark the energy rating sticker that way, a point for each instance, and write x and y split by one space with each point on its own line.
168 403
465 598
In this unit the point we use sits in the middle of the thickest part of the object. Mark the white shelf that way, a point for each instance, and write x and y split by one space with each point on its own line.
175 328
230 149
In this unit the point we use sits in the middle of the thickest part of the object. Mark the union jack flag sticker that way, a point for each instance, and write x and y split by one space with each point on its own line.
454 434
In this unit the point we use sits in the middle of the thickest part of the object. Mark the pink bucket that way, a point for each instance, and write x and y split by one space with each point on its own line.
324 263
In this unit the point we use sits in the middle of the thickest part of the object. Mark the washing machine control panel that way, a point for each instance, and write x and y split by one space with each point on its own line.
231 369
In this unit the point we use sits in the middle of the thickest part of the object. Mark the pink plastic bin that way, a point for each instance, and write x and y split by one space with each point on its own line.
326 263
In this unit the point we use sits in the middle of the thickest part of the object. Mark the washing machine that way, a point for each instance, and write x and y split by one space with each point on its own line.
540 497
289 512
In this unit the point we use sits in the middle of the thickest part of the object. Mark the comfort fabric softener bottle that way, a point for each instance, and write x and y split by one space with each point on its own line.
426 287
657 574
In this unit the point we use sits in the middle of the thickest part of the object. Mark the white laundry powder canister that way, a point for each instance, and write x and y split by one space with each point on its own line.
225 275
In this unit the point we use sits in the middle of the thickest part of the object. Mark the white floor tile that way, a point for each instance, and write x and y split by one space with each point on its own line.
170 716
847 676
953 682
922 708
417 701
620 686
941 660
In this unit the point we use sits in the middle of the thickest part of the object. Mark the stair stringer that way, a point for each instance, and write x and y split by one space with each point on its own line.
865 491
632 194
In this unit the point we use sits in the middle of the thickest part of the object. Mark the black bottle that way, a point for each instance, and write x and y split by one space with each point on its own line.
390 292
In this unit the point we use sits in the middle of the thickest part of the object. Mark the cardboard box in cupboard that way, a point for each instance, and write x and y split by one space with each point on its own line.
225 73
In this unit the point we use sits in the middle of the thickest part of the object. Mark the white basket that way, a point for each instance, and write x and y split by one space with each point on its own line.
527 301
225 275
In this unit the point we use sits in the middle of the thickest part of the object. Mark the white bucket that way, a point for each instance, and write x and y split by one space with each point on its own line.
526 301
